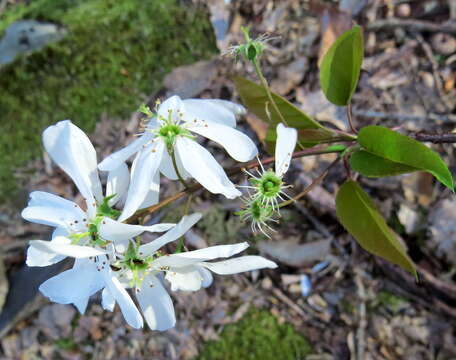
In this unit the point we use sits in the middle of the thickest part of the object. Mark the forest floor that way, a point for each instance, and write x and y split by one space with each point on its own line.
357 306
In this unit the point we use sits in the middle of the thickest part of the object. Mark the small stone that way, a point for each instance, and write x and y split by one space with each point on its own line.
266 283
55 320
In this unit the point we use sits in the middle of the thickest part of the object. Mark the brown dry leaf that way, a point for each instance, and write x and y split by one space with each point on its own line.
289 76
419 187
190 80
293 254
333 24
442 221
257 125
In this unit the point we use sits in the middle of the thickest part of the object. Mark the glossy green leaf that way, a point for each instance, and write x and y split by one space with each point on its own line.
256 100
401 149
360 217
341 65
371 165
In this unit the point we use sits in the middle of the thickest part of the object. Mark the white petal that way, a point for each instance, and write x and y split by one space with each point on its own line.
156 305
52 210
285 145
214 252
147 165
127 306
60 246
206 275
215 111
45 199
175 233
167 167
39 257
240 264
174 261
72 150
81 305
153 194
235 108
74 285
107 300
238 145
117 183
185 259
171 105
116 159
60 232
185 279
51 216
116 231
204 168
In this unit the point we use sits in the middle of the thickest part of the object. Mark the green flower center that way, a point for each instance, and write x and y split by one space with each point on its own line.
135 263
260 212
103 210
169 133
269 185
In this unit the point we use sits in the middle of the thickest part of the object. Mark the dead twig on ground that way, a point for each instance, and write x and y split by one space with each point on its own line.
412 25
448 118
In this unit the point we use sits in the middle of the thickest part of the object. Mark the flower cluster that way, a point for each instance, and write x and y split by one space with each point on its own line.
110 255
267 189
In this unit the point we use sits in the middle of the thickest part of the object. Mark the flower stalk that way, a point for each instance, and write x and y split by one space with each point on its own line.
176 169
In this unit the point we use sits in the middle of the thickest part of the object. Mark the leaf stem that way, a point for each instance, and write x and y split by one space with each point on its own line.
350 118
265 85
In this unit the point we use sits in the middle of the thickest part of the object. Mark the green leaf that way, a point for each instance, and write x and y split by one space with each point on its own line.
341 65
256 100
401 149
371 165
358 214
319 135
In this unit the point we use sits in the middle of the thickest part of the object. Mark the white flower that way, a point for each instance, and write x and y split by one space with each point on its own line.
134 270
269 185
85 235
169 135
141 266
188 271
88 276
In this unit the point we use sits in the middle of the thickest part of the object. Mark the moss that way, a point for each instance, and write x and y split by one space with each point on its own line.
219 227
115 53
65 344
391 301
257 336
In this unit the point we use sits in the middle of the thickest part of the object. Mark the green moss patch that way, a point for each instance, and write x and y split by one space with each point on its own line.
258 336
116 52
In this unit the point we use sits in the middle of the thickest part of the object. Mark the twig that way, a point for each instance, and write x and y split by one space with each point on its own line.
413 25
314 183
285 299
404 117
435 69
447 138
362 323
347 168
